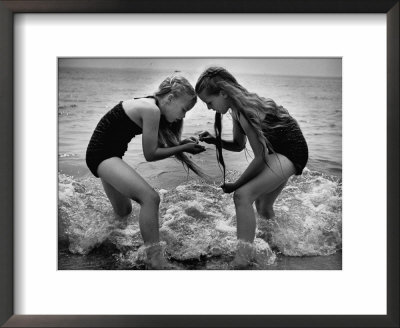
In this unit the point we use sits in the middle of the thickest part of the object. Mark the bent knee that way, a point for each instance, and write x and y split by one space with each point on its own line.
240 197
124 210
150 197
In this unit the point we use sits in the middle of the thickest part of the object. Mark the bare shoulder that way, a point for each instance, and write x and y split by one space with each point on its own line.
142 104
137 109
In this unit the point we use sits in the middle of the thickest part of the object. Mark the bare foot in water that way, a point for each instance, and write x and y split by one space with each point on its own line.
244 255
155 258
119 223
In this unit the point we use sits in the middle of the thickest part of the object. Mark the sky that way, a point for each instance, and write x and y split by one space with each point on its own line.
322 67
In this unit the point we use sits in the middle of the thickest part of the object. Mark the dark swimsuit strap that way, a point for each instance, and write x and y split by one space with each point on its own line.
145 97
152 97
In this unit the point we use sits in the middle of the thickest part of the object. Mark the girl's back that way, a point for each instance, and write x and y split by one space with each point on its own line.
135 107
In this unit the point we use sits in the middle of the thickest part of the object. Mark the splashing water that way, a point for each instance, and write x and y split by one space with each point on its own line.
83 215
198 223
308 217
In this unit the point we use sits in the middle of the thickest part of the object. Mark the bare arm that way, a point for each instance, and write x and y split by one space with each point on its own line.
257 164
151 150
237 144
239 139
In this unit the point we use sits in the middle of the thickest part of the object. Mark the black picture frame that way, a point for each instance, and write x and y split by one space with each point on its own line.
10 7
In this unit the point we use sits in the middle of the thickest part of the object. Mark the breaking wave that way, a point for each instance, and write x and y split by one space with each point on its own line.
198 222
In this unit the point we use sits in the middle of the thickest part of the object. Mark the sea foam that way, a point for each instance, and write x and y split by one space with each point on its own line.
198 223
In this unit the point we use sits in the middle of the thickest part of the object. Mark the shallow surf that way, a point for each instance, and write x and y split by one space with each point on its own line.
198 226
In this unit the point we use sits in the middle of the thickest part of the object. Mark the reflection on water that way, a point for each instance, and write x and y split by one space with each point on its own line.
103 258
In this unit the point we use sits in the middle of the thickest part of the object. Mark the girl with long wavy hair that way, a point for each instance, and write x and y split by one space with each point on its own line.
275 137
159 118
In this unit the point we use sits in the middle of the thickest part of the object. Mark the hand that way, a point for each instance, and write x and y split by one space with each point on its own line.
228 187
189 140
194 148
207 137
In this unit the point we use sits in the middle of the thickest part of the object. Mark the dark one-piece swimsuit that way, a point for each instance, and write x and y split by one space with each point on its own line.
111 137
290 142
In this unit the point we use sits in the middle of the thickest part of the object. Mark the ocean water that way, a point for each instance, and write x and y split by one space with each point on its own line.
197 220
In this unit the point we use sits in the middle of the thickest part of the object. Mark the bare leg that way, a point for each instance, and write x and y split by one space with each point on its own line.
265 202
121 204
270 179
130 185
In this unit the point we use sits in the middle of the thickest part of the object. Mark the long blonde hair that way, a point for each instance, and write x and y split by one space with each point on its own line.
169 134
263 114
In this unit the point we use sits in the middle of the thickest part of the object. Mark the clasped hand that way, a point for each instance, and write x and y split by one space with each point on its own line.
189 140
228 187
192 146
206 137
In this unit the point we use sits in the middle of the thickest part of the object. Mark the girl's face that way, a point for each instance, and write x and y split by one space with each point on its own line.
219 102
176 107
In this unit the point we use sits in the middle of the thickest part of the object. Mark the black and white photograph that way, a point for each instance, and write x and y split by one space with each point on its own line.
199 163
168 163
